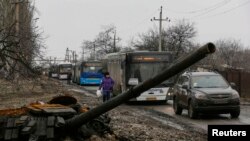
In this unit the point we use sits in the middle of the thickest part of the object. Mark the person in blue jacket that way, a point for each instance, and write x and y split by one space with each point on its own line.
106 86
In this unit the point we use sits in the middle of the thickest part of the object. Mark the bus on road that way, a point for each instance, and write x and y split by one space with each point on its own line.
64 69
132 68
88 73
53 71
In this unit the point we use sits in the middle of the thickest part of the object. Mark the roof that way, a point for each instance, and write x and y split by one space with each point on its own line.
200 73
136 53
64 63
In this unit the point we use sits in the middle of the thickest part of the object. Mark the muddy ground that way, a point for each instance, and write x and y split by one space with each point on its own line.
127 124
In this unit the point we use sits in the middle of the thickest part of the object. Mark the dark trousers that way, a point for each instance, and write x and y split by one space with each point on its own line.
106 95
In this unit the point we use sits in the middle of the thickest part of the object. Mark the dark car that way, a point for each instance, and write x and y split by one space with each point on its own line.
205 92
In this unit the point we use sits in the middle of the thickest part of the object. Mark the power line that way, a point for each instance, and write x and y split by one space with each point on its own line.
226 11
212 9
217 5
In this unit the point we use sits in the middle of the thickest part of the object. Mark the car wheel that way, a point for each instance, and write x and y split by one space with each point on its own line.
191 112
235 114
177 108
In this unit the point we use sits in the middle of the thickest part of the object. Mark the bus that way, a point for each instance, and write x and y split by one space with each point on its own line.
64 69
53 71
132 68
88 73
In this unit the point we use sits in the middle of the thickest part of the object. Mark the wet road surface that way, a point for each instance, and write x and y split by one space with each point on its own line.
202 122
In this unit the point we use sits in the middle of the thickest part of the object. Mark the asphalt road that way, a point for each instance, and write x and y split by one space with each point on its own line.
202 122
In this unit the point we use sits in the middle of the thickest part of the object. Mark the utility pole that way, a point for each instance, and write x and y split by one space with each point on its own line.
160 28
70 56
17 27
67 55
94 52
54 60
17 15
115 41
75 57
50 60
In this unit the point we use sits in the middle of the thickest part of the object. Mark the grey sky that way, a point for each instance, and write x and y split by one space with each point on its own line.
67 23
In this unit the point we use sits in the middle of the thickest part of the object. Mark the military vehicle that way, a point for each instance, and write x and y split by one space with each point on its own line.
63 116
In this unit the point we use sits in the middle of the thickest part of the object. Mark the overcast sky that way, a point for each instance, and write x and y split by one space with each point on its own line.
66 23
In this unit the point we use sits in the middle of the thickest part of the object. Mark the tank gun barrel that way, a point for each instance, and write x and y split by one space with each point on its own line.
177 67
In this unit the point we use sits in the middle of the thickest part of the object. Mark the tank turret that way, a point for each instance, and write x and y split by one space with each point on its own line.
177 67
62 115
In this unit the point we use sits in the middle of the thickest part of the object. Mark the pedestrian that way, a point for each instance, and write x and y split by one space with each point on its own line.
69 77
106 86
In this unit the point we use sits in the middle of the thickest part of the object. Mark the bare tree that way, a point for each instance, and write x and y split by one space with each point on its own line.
106 39
105 42
147 41
179 37
88 48
230 52
19 41
245 57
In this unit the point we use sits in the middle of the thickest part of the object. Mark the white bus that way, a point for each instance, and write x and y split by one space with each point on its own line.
53 71
130 69
64 69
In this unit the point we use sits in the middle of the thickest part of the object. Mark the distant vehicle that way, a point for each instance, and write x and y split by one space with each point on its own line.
132 68
53 71
88 73
63 70
205 92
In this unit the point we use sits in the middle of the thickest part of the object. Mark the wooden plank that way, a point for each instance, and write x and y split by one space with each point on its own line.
7 134
51 121
10 122
41 127
50 133
61 111
15 133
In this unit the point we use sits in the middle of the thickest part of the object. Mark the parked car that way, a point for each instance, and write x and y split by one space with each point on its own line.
205 92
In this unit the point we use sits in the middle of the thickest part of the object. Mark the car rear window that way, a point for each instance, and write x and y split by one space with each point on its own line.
209 81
